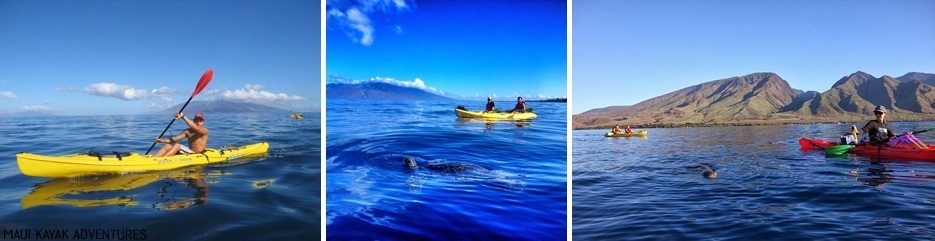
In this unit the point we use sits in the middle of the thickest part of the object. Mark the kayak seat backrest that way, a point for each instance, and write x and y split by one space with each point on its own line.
848 140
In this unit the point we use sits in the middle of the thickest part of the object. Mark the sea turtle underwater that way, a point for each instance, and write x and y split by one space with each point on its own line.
450 167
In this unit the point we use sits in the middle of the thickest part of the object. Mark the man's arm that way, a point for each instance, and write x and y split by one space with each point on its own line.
193 127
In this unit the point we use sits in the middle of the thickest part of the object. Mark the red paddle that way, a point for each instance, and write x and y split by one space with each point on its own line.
201 85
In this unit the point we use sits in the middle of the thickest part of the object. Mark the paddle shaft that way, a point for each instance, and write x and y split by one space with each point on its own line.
914 132
170 124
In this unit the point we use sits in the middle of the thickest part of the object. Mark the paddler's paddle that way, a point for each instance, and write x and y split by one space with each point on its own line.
201 85
837 150
914 132
843 147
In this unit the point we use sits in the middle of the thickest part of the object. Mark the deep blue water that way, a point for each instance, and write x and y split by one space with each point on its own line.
766 189
371 195
266 198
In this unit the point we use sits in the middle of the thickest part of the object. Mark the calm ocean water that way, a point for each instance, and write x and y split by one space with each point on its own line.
266 198
766 188
371 195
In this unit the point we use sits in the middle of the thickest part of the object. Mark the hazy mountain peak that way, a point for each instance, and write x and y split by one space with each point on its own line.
221 106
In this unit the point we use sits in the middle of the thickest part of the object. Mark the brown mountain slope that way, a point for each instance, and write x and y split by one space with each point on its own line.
854 97
928 79
763 98
751 97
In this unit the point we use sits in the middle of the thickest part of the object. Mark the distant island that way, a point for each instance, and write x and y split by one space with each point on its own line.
564 100
767 99
222 106
378 91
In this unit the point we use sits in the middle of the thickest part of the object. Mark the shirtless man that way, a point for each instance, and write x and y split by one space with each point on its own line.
197 136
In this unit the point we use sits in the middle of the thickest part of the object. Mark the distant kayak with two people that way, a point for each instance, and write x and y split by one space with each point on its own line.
518 113
627 132
641 133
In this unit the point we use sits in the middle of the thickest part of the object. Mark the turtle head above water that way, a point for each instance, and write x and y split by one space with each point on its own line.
410 162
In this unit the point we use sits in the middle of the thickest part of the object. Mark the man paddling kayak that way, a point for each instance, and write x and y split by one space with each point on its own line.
197 136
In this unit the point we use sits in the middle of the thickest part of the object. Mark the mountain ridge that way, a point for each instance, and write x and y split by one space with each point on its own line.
221 106
764 98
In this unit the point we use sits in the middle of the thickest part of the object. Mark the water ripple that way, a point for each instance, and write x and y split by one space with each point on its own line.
518 192
766 188
229 201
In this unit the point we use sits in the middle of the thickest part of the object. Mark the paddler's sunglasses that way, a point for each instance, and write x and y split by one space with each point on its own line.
878 113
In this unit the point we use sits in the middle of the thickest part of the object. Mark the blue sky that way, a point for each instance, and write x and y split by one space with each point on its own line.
464 49
136 57
625 52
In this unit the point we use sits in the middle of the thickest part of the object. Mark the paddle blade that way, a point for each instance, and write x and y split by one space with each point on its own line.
203 82
838 150
929 129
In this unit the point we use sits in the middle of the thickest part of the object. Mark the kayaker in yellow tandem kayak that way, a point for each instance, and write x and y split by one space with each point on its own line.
490 105
520 106
197 135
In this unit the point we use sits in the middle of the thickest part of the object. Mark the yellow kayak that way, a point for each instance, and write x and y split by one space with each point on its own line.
82 164
478 114
624 134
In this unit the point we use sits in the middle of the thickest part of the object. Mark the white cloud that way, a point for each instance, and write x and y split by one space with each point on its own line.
353 17
68 89
126 92
8 95
254 87
37 108
164 90
46 102
251 93
163 93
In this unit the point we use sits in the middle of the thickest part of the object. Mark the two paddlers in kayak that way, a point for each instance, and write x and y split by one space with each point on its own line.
520 106
197 135
617 130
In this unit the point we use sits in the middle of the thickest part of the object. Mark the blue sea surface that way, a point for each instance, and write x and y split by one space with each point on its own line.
515 190
272 197
767 188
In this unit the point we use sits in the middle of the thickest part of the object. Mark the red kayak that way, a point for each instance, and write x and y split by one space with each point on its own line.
874 151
